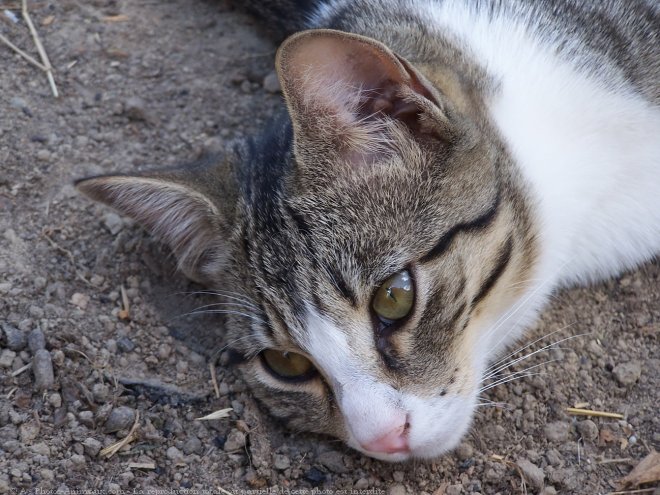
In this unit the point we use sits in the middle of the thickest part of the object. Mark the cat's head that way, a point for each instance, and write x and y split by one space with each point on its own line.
375 239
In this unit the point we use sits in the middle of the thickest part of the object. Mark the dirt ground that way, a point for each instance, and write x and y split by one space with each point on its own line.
152 83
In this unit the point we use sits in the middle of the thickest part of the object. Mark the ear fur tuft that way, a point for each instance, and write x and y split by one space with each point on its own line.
173 212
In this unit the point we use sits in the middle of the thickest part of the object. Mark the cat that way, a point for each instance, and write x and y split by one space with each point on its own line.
442 168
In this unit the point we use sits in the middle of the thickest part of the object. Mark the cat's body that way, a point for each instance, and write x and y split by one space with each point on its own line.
488 151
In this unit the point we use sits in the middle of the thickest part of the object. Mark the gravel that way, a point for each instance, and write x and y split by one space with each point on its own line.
120 418
36 340
15 338
557 431
627 373
42 367
235 441
533 474
588 429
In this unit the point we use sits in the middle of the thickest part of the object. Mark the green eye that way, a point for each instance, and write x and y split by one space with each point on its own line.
287 364
394 299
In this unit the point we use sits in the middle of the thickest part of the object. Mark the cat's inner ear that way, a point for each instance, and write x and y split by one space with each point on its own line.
345 82
174 212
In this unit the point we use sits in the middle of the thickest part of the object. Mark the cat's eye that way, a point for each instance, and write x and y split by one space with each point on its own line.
287 365
395 297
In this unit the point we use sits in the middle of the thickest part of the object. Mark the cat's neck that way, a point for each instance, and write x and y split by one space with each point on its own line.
588 147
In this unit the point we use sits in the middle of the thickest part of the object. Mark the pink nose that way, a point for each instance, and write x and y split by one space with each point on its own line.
394 441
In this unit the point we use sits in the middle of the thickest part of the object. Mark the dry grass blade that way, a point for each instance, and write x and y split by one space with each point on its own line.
40 49
125 312
588 412
27 57
21 370
225 492
111 450
220 414
214 380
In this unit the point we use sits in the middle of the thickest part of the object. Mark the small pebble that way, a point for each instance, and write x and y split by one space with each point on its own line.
40 448
78 459
125 344
80 300
55 400
134 109
627 373
6 358
454 490
398 476
333 460
92 446
588 430
16 339
315 476
396 489
533 474
120 418
36 340
271 83
557 431
100 392
86 418
281 462
464 451
174 454
42 367
235 441
192 446
113 222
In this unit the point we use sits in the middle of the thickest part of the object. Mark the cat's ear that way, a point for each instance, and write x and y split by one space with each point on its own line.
351 88
189 208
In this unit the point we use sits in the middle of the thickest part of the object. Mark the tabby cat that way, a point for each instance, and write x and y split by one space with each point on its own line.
442 168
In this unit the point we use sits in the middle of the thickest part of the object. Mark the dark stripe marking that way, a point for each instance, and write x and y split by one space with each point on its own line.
479 223
502 261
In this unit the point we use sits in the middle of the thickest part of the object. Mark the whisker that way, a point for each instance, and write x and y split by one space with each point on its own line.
517 374
238 305
226 312
526 356
520 349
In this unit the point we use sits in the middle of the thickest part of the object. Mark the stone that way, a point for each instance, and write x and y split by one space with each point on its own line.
113 222
86 418
91 446
120 418
281 462
16 339
235 440
396 489
192 446
125 344
333 460
174 454
398 476
464 451
271 83
42 367
134 109
80 300
36 340
454 490
40 448
6 358
588 429
557 431
532 473
627 373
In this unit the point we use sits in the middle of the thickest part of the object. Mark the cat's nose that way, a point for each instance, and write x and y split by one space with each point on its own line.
394 440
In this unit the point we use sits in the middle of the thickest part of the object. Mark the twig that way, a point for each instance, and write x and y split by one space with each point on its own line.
588 412
221 413
40 49
27 57
620 460
112 449
21 370
214 380
225 492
